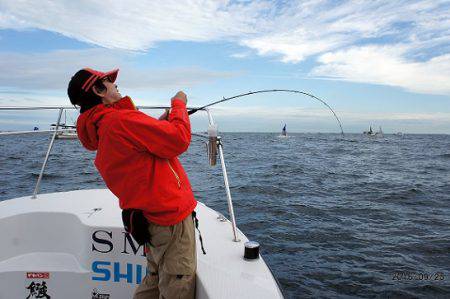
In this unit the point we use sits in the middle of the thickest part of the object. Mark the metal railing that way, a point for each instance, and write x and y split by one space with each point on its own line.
56 130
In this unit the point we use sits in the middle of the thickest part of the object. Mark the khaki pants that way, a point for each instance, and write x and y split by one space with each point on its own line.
171 262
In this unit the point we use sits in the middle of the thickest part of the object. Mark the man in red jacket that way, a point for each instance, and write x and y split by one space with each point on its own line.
137 159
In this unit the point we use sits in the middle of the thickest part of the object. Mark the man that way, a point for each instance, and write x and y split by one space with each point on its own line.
137 159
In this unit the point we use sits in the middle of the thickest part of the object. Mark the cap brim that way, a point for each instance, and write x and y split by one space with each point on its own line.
112 75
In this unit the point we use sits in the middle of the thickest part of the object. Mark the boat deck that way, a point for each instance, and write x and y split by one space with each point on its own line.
75 243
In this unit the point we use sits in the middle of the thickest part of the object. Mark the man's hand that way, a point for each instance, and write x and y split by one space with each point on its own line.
181 96
165 115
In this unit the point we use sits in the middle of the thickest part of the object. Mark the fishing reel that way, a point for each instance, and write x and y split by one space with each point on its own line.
212 144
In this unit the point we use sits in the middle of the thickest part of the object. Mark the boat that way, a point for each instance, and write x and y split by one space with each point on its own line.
66 131
283 132
379 133
72 245
370 132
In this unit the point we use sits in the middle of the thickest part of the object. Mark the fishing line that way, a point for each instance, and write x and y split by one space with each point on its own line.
271 90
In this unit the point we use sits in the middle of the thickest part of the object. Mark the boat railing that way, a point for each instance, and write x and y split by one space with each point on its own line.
57 129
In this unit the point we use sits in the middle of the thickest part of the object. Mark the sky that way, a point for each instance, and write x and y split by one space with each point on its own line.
376 63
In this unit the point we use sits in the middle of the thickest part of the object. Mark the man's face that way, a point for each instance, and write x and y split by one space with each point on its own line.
111 94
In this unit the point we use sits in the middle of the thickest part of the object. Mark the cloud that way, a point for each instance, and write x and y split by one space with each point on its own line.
137 25
396 43
271 113
306 28
386 65
291 31
160 79
292 113
292 49
52 70
240 55
13 99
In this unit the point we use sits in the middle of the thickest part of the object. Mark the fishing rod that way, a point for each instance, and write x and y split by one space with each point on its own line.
192 111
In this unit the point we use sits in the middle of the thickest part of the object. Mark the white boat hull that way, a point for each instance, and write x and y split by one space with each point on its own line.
74 242
67 136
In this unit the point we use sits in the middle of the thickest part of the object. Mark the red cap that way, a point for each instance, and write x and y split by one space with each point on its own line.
95 75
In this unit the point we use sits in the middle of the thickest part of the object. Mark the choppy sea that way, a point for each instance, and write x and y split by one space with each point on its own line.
336 217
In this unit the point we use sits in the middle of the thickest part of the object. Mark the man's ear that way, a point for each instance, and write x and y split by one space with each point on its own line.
100 93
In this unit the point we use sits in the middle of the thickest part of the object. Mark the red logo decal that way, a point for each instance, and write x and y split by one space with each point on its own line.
38 275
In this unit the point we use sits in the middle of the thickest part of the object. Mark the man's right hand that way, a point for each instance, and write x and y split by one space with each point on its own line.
181 96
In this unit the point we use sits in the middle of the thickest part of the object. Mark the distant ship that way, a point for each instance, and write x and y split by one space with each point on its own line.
283 131
379 133
65 131
372 133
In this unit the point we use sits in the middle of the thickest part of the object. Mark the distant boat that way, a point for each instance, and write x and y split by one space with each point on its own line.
379 133
370 132
66 131
283 132
67 134
373 133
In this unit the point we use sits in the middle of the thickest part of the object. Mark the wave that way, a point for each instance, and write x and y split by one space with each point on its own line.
265 190
46 175
396 195
15 158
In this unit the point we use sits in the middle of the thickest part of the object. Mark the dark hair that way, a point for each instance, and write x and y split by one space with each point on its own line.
77 96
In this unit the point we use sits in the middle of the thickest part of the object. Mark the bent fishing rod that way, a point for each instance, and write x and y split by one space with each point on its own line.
192 111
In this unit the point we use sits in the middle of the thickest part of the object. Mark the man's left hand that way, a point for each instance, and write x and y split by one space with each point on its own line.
165 115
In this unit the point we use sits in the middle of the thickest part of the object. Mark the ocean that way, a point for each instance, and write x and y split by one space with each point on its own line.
336 217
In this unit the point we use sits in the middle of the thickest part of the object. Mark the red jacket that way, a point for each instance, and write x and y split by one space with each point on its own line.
137 157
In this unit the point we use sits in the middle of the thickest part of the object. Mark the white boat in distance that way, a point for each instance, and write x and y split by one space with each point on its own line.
66 131
72 245
372 133
283 131
69 134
